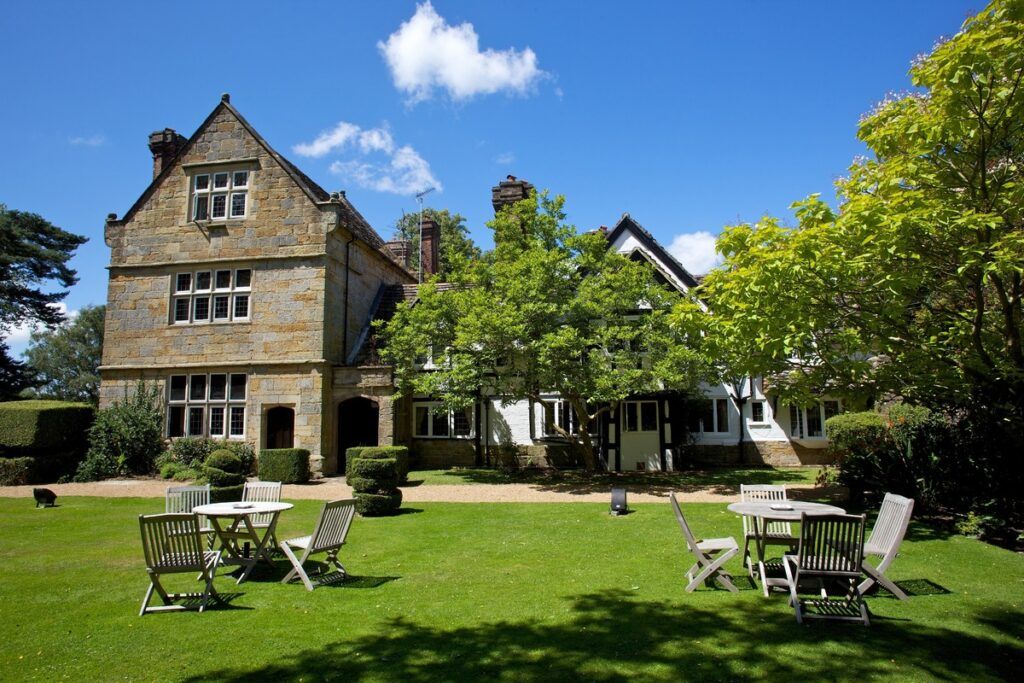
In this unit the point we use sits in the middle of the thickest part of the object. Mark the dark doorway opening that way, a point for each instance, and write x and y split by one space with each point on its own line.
357 426
280 427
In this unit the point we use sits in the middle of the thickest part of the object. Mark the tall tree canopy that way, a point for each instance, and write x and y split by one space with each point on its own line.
32 252
15 376
455 239
912 287
66 358
548 310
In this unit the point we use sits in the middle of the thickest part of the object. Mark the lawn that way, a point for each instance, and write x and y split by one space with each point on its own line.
451 591
718 480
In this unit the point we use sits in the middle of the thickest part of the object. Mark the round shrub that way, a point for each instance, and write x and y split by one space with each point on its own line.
378 504
223 459
169 469
218 477
399 453
384 470
226 494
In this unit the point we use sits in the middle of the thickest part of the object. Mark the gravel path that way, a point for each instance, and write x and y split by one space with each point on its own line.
335 487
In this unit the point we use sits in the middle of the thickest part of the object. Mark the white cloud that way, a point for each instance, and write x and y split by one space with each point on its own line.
505 158
426 53
696 251
382 165
90 141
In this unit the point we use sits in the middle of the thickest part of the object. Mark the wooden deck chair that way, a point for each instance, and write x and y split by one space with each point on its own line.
707 566
775 533
831 549
884 542
328 536
187 498
262 492
172 544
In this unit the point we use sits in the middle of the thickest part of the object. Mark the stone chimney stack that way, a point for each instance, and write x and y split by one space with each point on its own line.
429 247
509 191
164 144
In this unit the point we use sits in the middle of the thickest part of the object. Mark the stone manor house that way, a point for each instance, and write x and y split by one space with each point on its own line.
247 293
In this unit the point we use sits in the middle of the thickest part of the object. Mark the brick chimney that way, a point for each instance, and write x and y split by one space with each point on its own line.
164 144
429 247
509 191
402 249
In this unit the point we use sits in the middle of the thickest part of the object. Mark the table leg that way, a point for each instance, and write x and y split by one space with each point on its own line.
250 562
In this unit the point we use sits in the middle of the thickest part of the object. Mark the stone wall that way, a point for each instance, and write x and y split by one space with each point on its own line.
775 453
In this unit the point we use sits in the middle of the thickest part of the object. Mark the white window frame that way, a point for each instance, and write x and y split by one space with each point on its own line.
799 430
639 416
764 411
434 408
230 404
713 430
233 292
229 190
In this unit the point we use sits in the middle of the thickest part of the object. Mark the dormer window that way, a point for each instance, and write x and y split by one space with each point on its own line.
220 195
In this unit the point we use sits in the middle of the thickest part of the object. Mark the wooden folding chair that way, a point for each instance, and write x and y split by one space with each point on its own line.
772 533
831 549
885 540
172 544
262 492
186 499
328 536
704 551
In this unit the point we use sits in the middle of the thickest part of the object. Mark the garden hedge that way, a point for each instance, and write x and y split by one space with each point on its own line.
226 494
54 433
16 471
286 465
399 453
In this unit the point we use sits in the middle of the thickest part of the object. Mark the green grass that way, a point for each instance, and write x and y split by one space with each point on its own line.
719 480
452 591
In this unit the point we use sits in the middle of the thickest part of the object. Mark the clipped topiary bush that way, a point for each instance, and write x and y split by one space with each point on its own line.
378 504
16 471
223 470
286 465
375 481
53 433
399 453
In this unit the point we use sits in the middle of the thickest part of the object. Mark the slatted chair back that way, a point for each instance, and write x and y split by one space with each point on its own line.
171 542
890 526
187 498
691 541
262 492
333 524
831 545
764 492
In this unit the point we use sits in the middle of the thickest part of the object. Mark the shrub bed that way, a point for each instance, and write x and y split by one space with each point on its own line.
375 482
16 471
286 465
399 453
52 433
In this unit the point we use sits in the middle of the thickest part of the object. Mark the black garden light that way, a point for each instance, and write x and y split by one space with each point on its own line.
619 506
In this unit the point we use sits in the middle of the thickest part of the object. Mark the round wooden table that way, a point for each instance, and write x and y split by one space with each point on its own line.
239 529
761 511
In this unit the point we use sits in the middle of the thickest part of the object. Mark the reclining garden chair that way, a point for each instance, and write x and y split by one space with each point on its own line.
172 544
775 533
831 549
707 566
328 536
884 542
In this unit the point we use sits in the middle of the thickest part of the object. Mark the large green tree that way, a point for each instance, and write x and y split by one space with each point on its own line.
66 358
455 241
912 287
548 310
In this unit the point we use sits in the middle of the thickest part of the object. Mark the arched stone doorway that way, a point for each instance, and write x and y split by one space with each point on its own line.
357 425
280 427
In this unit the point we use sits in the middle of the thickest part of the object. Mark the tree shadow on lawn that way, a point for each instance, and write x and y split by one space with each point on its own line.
723 480
613 636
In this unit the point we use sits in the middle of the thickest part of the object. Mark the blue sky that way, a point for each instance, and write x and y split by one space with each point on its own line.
690 116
